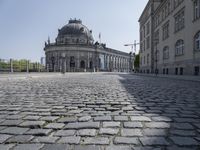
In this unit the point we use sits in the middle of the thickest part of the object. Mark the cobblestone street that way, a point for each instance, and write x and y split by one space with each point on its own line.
99 111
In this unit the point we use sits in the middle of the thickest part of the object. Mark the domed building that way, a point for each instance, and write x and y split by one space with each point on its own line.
74 50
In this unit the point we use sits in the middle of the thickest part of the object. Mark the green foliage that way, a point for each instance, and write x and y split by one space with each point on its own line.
19 65
137 61
4 65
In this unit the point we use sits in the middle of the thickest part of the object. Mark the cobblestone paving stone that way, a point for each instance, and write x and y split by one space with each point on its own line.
99 111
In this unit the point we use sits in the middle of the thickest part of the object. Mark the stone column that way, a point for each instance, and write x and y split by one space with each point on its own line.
104 56
123 64
111 62
67 61
107 62
65 64
88 61
114 63
117 63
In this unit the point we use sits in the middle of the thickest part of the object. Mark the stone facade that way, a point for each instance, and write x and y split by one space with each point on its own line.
170 37
75 51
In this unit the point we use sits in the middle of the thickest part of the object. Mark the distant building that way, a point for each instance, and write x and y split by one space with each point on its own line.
170 37
42 61
74 50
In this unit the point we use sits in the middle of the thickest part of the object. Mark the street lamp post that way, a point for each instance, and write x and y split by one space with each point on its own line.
132 54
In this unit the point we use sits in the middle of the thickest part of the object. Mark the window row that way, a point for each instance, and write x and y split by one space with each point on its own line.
196 9
145 31
179 17
143 60
145 44
165 12
179 48
179 20
176 70
179 25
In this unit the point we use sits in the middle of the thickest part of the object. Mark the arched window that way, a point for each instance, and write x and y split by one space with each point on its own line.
179 48
166 52
82 64
72 62
197 41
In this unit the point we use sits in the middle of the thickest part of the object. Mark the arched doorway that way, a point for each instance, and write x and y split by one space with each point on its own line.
91 64
99 63
82 64
72 62
53 64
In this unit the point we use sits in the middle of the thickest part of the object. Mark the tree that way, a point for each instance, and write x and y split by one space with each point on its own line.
137 62
20 65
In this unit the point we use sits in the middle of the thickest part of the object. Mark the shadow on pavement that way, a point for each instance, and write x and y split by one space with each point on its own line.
168 109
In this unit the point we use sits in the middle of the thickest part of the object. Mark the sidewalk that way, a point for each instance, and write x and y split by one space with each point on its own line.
177 77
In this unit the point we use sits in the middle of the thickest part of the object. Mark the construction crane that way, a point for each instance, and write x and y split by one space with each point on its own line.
133 45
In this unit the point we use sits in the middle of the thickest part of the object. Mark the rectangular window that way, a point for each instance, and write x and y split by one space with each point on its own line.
198 45
179 48
167 71
166 31
196 9
157 56
155 22
148 42
141 36
177 3
147 58
166 53
156 36
148 28
181 71
164 71
166 11
141 47
196 70
163 14
159 19
169 7
179 20
176 71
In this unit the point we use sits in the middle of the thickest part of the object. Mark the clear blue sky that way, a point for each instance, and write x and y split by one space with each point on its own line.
26 24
